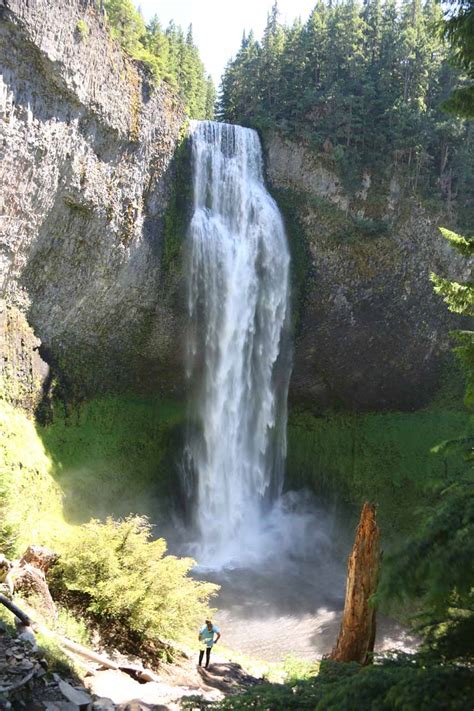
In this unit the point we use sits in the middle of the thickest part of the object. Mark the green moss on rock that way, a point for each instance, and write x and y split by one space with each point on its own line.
177 215
114 455
30 499
384 457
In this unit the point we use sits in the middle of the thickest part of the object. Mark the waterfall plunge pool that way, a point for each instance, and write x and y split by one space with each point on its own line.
282 577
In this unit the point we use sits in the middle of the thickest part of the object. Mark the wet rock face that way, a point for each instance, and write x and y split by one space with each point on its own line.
86 170
372 335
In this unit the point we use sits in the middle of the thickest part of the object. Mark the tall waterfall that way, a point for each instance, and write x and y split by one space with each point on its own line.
238 351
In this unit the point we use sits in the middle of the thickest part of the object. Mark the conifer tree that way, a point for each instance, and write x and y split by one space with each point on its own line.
368 80
169 55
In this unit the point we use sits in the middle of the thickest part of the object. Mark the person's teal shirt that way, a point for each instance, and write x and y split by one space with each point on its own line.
207 635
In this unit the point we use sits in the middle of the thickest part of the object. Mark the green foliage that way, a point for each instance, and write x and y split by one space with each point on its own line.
123 445
49 475
459 297
403 683
57 659
83 29
462 244
30 499
436 566
169 54
126 23
365 82
458 29
295 668
126 576
71 626
439 561
382 456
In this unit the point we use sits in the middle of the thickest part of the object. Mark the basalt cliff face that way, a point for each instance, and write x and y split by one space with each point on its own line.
90 258
371 334
87 148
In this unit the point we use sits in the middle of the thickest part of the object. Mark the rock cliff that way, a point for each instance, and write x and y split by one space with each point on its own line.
89 243
87 148
371 333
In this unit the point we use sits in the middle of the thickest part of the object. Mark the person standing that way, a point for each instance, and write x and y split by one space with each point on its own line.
206 637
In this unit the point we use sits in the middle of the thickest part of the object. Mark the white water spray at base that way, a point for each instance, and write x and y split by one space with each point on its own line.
238 359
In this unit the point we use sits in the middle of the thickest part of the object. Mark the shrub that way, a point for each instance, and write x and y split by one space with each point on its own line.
405 683
126 577
82 28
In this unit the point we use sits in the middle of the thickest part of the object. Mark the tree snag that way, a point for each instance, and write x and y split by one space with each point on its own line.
357 635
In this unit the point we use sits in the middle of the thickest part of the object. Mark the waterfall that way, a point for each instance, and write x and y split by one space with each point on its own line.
238 355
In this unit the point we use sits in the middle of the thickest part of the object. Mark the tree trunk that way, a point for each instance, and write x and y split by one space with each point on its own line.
357 635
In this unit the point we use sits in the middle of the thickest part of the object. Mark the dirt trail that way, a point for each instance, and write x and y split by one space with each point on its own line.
172 684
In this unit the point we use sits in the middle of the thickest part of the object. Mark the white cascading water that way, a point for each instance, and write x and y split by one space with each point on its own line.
238 352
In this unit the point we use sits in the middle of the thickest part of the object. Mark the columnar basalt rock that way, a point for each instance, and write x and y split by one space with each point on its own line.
87 170
87 148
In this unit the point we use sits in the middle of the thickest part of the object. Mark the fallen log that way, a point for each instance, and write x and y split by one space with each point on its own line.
22 616
85 652
357 635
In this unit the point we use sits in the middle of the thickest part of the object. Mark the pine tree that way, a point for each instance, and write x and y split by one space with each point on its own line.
458 29
169 55
126 23
369 78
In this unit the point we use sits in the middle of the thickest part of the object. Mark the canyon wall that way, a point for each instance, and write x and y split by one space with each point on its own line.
87 169
370 332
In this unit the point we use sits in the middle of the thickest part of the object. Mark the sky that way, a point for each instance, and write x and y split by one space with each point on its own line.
218 24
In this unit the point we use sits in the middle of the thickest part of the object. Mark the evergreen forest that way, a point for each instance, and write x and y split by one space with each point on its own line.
170 54
365 84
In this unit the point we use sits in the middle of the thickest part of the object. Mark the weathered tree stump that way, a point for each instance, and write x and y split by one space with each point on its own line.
357 635
5 566
40 557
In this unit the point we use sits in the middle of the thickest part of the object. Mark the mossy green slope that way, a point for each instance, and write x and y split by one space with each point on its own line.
30 499
384 457
110 456
114 455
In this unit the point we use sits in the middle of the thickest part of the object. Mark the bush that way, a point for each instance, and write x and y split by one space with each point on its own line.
82 28
404 683
126 577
